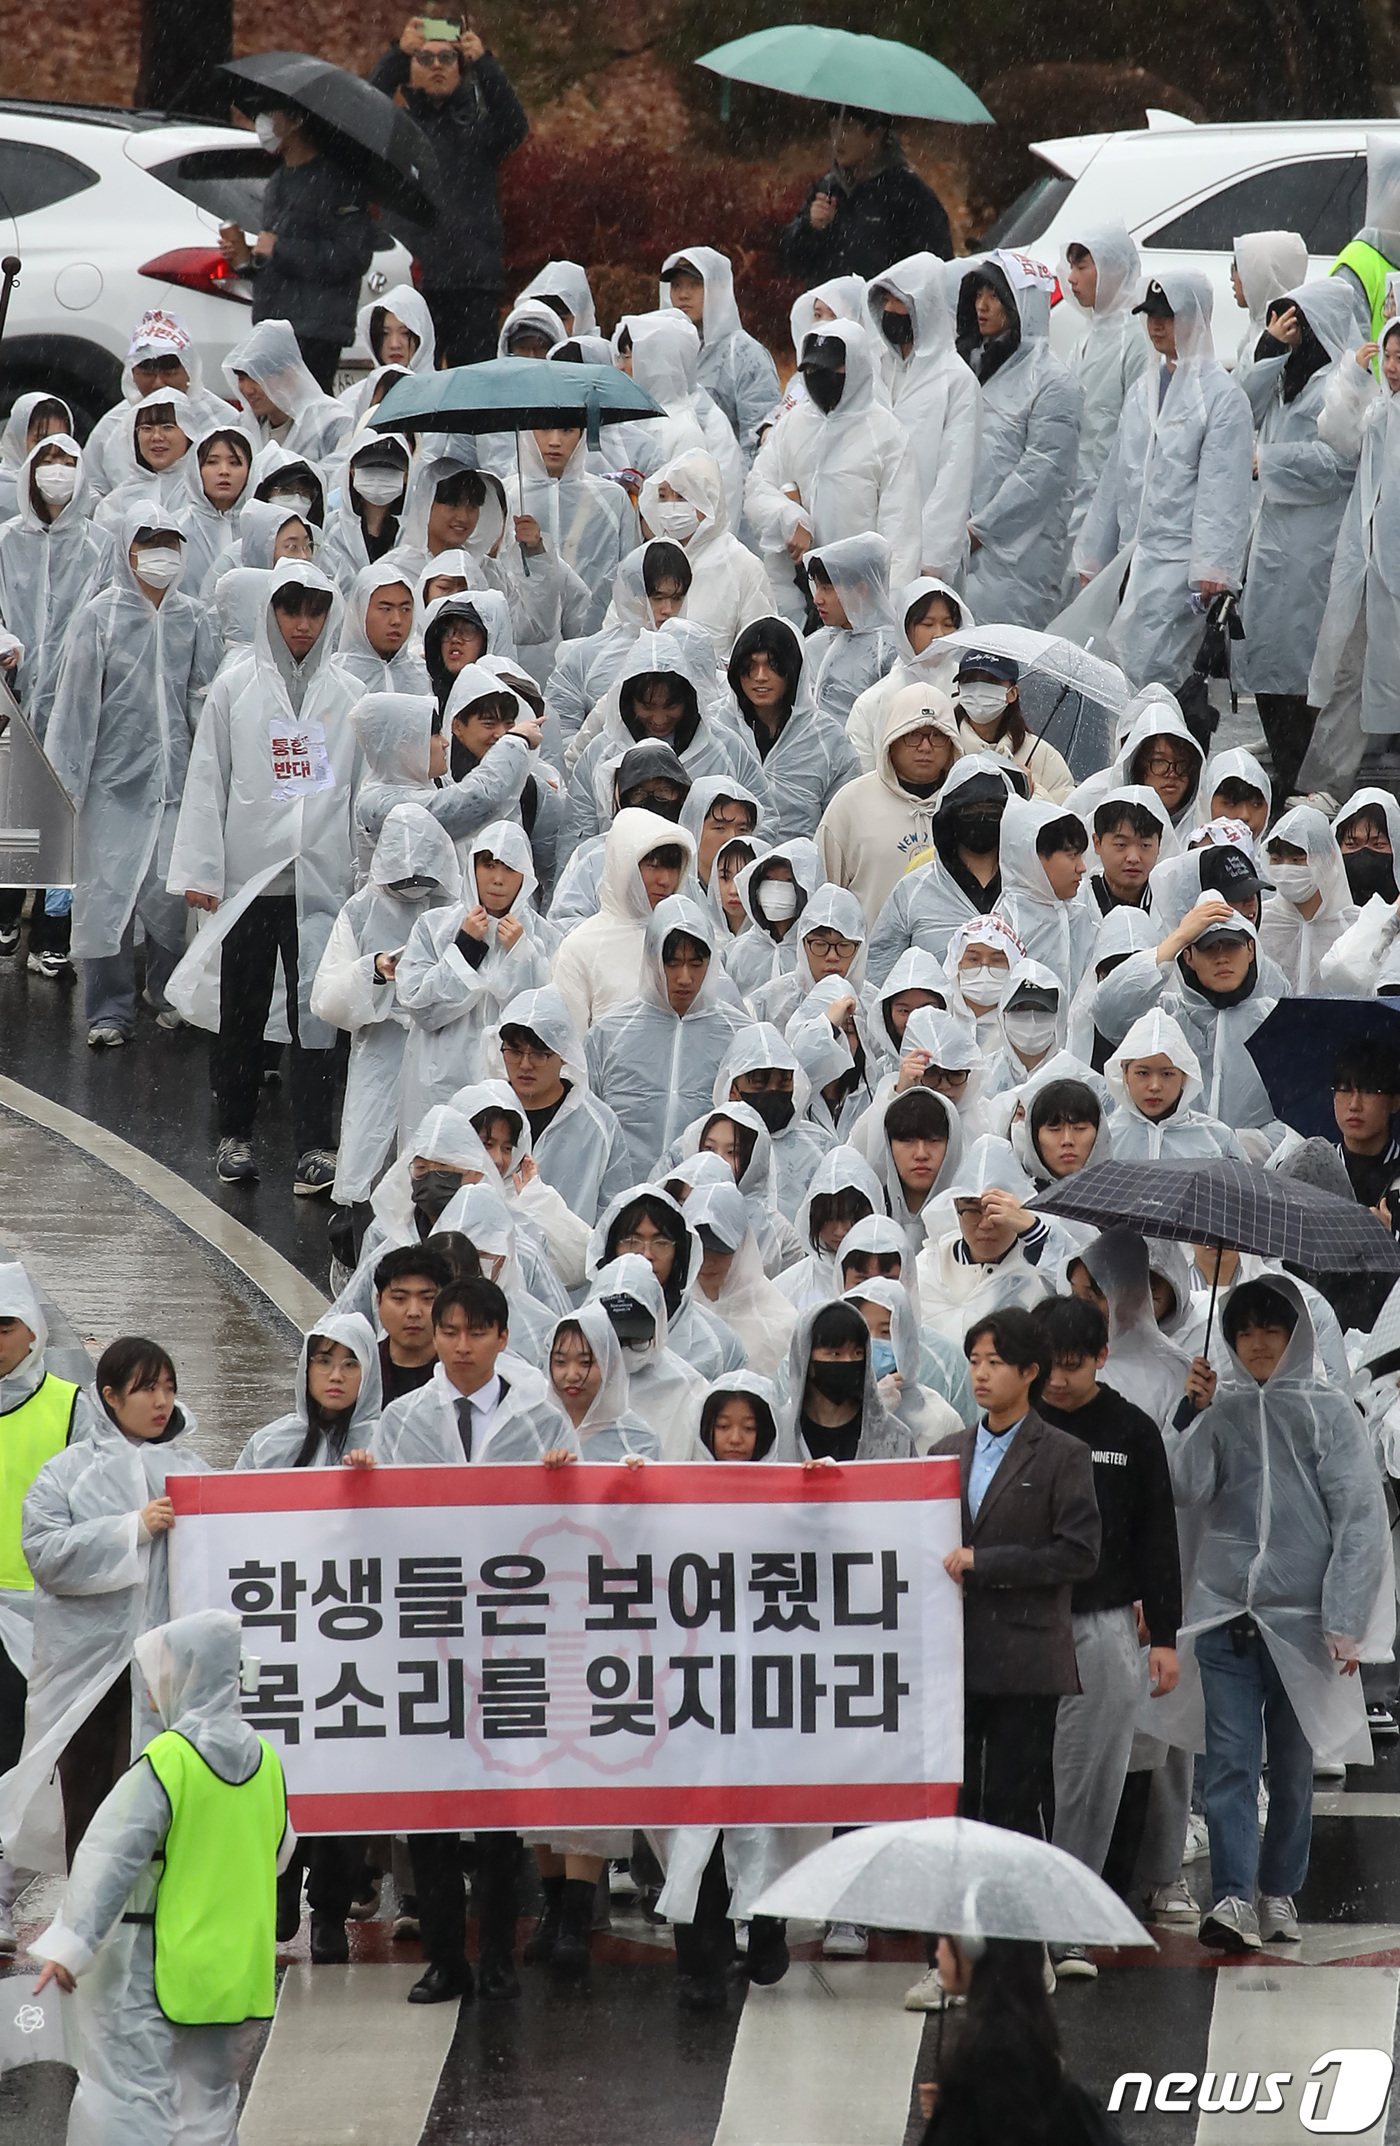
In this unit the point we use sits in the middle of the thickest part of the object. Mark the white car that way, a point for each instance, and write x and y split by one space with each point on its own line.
1185 191
111 212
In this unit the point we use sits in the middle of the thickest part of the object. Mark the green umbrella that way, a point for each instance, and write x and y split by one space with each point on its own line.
870 74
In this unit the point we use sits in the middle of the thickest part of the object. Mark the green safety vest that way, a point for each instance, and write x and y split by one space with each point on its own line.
216 1902
29 1435
1371 269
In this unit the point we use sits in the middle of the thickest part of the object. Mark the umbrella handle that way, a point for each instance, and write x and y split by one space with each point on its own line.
1210 1315
520 485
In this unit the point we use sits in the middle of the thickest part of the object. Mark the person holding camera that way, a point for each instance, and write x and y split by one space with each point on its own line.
458 93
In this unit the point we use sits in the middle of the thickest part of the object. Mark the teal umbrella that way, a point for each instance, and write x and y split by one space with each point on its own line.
870 74
515 395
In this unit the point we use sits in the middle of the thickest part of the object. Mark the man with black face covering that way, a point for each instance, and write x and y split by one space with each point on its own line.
962 878
647 1222
650 776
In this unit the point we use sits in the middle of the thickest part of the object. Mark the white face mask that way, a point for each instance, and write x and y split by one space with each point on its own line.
377 487
983 987
293 502
162 565
56 482
1295 882
1031 1033
266 132
979 703
675 519
777 900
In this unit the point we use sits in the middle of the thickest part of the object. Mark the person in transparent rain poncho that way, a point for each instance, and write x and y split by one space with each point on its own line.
773 890
397 332
1155 1078
1023 483
934 397
1365 265
52 559
268 533
942 1053
1101 272
138 661
1062 1125
831 937
826 1040
1279 1470
833 1409
849 582
653 1059
167 2034
663 1389
730 1278
160 437
268 380
1312 905
646 1222
960 880
217 480
916 980
1158 753
1043 853
926 612
649 777
583 520
1176 486
984 1249
920 1143
598 964
1033 1021
877 1251
408 751
364 522
1131 830
578 1146
837 462
980 956
161 355
661 352
649 586
684 502
732 1145
1263 264
761 1069
843 1190
376 641
733 366
564 286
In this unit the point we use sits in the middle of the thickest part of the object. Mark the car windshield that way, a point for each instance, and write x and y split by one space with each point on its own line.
1030 214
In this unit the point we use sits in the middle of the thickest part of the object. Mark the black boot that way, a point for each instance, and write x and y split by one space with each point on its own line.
539 1946
768 1953
330 1947
289 1901
573 1948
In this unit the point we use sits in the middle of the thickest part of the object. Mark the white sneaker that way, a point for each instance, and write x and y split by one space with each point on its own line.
1197 1839
845 1941
1329 1769
104 1037
1072 1963
1049 1979
1172 1903
929 1995
1278 1920
1232 1926
741 1937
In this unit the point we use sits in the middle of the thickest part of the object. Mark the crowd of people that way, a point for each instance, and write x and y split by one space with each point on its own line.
697 973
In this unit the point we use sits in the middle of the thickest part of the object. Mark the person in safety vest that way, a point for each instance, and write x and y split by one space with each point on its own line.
167 1920
1374 253
39 1414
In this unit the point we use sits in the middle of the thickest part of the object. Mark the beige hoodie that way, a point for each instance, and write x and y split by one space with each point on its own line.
873 827
599 963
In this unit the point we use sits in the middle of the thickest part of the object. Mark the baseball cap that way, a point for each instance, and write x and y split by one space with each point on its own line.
826 352
1229 872
979 663
1156 303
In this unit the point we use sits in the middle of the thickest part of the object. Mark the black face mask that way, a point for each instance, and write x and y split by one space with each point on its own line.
773 1107
665 808
977 831
1370 872
824 386
838 1382
897 328
432 1189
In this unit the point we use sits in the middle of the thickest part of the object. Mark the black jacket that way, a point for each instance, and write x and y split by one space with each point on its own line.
1139 1560
325 242
470 132
881 219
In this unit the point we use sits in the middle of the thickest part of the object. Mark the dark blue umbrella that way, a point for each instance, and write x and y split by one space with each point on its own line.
1296 1047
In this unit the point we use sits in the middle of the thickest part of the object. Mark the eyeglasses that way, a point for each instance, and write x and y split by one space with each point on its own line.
1159 764
449 58
830 949
535 1052
636 1243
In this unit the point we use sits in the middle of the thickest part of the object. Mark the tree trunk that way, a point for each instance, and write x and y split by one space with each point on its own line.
183 44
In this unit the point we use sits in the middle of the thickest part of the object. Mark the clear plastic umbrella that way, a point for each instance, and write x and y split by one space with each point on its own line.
1068 697
954 1876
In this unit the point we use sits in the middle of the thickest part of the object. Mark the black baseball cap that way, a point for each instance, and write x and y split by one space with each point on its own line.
826 352
1226 870
1156 303
978 663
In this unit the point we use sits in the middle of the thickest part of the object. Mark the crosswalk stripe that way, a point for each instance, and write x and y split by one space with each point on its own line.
1280 2020
824 2058
348 2063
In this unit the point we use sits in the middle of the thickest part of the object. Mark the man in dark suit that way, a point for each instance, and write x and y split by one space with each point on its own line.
1030 1524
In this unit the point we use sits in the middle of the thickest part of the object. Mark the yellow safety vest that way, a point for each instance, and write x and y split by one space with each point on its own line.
29 1435
216 1902
1370 269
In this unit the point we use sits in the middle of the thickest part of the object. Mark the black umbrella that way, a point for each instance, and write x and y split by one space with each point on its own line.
372 135
1233 1206
1297 1045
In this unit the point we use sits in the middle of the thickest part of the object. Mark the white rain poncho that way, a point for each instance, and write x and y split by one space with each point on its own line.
1187 1134
394 732
1293 1532
953 1046
582 1154
914 971
1023 1127
410 308
816 1277
599 963
733 366
165 488
586 521
1160 717
810 761
652 1067
1146 799
937 666
575 895
270 357
567 281
1221 767
1304 485
157 334
1052 931
979 1003
1144 1364
1023 484
18 1300
876 825
882 1436
695 1332
1177 484
126 704
666 362
348 992
236 594
1110 353
687 1164
209 531
1123 931
913 1221
953 1292
511 1246
1296 942
611 1429
798 1145
14 446
48 570
451 1001
1269 263
100 1581
344 552
585 668
448 1141
831 909
279 1443
729 586
824 1051
927 1416
755 956
938 402
662 1388
748 1302
404 671
421 1430
928 904
243 831
1027 1033
838 473
1360 416
942 1366
845 661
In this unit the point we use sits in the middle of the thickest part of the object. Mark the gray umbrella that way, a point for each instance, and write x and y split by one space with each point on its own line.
371 135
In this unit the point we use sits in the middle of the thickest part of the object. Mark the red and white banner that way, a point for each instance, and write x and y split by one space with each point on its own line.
447 1648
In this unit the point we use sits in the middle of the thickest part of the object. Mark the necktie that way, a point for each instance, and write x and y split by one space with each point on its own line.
464 1426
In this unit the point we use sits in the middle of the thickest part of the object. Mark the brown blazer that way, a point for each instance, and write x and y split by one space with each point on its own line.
1036 1533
